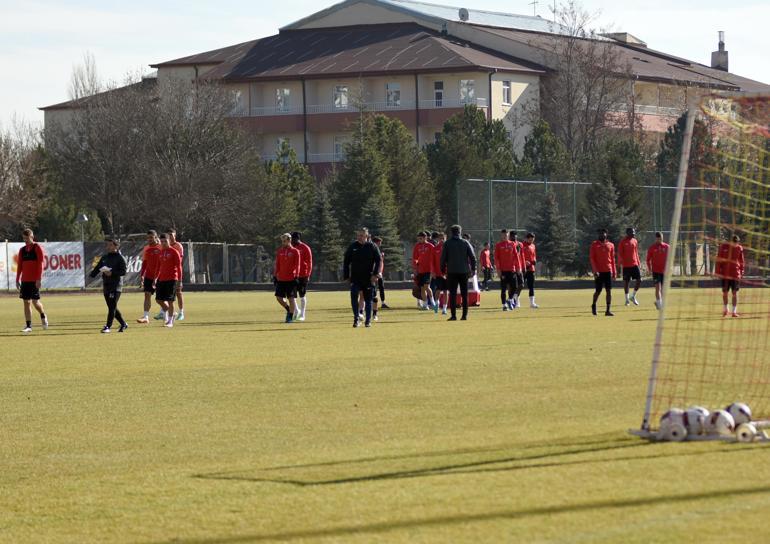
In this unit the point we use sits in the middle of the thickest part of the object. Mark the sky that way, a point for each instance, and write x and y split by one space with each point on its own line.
41 40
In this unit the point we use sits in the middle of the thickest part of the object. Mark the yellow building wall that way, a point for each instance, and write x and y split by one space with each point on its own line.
359 14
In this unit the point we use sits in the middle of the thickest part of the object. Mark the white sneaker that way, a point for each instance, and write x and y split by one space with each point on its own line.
443 311
636 302
375 318
106 330
180 316
533 305
169 323
26 329
143 320
657 304
301 318
45 323
628 302
160 315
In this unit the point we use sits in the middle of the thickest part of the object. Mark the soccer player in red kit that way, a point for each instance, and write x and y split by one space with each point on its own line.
602 257
285 273
730 267
422 263
529 252
305 270
505 257
169 274
657 254
171 233
29 275
438 276
149 271
485 261
518 269
628 255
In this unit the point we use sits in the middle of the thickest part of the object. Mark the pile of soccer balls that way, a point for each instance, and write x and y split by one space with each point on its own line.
697 423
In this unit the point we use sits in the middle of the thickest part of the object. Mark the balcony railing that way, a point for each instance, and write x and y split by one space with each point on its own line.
325 157
651 110
403 105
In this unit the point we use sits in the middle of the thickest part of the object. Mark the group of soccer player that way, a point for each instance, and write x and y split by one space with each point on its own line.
514 262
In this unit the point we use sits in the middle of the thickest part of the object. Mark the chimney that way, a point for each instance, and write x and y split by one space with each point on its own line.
719 58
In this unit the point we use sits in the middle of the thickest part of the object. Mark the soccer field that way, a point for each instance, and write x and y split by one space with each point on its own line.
235 427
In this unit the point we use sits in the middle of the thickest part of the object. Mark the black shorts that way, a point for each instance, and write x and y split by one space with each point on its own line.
423 279
519 279
657 277
286 289
604 279
440 283
730 285
165 290
147 285
29 291
508 278
302 286
631 273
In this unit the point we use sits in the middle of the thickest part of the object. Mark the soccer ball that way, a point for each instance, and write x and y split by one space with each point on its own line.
720 422
746 432
674 415
741 412
673 432
695 420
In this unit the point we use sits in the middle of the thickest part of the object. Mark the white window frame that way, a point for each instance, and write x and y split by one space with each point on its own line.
467 91
393 95
339 147
283 99
341 97
507 96
438 93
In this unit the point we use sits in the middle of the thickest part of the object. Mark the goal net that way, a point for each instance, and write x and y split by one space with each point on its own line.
703 355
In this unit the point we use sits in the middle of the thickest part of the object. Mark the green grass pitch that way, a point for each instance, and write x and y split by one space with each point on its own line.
235 427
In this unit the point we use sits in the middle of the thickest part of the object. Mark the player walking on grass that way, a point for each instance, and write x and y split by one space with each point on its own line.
285 274
360 268
112 266
602 257
485 261
628 256
305 270
657 254
529 252
730 268
458 261
380 280
505 255
518 270
149 271
439 279
422 257
169 273
174 243
29 275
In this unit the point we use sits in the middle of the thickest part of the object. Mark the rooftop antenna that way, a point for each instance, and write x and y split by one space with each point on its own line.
534 4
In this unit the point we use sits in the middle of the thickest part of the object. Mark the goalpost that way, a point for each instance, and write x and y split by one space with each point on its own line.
700 358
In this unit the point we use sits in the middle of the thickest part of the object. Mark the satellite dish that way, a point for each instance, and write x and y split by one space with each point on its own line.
464 15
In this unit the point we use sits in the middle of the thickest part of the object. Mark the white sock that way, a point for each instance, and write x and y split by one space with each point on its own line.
532 300
628 297
727 308
735 309
303 305
147 315
181 311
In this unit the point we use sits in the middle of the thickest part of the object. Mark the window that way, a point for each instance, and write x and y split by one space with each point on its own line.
339 147
438 93
467 91
239 107
282 99
393 94
507 92
341 97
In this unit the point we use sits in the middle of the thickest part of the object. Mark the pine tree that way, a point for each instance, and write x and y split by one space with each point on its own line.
324 235
555 239
544 155
287 170
378 215
601 211
624 162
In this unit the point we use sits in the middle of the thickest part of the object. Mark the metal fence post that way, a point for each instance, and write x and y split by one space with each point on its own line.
225 264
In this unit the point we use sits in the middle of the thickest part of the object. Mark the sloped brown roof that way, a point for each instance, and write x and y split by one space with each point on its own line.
364 50
215 56
648 63
146 84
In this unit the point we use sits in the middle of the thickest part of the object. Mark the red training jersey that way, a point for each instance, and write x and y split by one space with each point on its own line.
179 248
530 256
518 263
505 256
628 252
150 261
485 258
286 263
436 269
422 257
730 261
170 265
602 257
29 266
657 254
305 260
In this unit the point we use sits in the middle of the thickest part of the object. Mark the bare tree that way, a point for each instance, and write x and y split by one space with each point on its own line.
589 90
84 80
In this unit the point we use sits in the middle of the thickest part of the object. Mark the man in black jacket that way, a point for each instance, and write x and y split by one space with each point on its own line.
458 260
362 269
112 266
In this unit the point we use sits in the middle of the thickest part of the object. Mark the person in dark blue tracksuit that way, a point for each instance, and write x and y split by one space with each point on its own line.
361 268
112 266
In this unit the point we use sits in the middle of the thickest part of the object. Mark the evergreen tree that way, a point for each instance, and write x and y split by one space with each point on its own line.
555 239
624 162
470 146
702 150
378 216
324 235
601 211
543 155
287 170
408 174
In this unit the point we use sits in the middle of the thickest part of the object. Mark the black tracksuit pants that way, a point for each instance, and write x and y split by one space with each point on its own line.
112 298
456 280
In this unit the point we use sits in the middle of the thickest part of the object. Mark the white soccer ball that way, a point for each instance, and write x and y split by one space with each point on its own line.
674 415
746 432
740 411
695 420
673 431
720 422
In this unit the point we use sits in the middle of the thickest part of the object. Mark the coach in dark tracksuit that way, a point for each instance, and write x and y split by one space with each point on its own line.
362 268
112 266
459 261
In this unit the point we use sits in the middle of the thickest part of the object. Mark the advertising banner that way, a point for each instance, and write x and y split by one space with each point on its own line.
62 266
132 251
